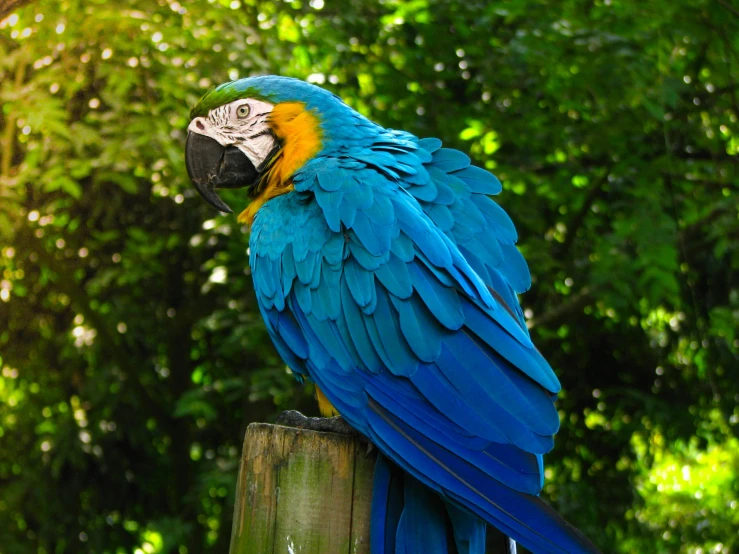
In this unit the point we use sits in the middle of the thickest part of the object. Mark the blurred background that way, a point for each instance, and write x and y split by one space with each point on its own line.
132 356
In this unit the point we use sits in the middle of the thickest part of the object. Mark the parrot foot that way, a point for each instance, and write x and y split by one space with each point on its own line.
337 424
293 418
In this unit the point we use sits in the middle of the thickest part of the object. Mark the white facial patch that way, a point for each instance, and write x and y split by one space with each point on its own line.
242 123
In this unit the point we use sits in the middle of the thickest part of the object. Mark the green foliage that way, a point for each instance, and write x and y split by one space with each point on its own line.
133 355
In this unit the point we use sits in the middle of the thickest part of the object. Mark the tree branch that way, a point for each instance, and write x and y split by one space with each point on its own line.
9 6
8 138
555 316
573 226
729 7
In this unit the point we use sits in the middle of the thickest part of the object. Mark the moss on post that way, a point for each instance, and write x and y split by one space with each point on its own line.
302 492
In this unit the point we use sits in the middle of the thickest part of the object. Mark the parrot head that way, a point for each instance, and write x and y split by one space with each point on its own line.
256 133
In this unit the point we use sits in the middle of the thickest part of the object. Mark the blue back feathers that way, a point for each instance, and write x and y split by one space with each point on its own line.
389 277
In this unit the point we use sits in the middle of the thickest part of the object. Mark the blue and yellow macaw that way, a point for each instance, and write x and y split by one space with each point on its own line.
387 276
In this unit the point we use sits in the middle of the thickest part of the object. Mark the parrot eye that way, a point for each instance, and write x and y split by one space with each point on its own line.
242 111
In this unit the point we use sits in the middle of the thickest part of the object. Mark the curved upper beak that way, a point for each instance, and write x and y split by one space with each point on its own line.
211 166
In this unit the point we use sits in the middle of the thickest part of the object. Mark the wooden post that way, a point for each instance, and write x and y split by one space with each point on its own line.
302 492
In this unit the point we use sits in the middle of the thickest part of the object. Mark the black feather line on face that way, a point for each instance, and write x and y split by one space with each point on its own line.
220 116
257 120
265 167
259 134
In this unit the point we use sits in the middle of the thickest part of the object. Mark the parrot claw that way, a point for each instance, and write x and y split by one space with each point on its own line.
293 418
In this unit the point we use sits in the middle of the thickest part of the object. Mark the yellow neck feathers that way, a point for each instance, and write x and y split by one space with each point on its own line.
300 134
324 404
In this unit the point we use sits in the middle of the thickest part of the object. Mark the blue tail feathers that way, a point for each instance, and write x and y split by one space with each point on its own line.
410 518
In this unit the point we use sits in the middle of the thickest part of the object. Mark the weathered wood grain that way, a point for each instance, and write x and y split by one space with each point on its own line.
302 492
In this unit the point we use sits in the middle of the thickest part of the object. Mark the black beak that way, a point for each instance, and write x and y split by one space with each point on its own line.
211 166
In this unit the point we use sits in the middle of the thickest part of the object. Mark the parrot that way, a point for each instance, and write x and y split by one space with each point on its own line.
387 276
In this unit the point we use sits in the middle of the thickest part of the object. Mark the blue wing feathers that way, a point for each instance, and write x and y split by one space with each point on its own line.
402 361
515 269
442 301
424 235
427 191
497 219
434 385
416 322
522 516
457 185
316 276
430 144
370 307
305 267
331 203
479 181
528 360
477 264
394 289
395 277
472 215
265 277
355 326
441 216
364 258
403 248
288 268
381 212
450 160
375 237
417 411
511 421
445 194
359 196
333 250
359 281
505 463
304 299
504 384
348 211
377 345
